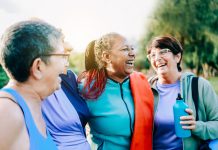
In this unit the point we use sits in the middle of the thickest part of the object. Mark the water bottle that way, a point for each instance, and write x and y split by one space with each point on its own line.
213 144
179 110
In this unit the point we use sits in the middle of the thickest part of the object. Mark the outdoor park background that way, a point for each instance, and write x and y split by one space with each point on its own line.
194 23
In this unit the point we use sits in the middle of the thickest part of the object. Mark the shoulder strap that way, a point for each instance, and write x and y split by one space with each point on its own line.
30 124
195 94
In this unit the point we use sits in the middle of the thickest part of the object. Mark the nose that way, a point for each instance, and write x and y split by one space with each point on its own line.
67 63
157 56
132 53
65 67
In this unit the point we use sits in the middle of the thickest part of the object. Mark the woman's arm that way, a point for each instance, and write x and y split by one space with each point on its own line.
11 126
207 129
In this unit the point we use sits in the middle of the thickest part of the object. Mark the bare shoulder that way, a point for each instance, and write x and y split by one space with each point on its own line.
12 120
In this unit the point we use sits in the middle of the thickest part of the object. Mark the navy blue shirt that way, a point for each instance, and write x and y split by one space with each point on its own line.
69 86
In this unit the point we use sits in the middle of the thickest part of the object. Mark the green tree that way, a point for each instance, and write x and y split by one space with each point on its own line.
77 62
3 77
194 23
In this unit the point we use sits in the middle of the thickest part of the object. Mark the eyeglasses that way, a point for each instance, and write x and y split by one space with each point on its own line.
161 53
65 56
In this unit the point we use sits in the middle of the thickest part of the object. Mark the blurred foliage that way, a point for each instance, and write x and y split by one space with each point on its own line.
194 23
214 83
3 77
141 62
77 62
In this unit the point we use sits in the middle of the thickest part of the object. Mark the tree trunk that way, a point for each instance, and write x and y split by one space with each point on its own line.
205 68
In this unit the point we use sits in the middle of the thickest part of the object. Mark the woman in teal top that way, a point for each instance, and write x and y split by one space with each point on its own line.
106 86
112 116
29 53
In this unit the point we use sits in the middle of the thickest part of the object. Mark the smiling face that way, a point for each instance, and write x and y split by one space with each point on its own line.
57 65
120 59
164 62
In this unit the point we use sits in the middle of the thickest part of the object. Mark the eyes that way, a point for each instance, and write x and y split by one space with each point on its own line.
161 53
128 49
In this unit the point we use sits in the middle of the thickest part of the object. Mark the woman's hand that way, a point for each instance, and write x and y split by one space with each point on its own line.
188 122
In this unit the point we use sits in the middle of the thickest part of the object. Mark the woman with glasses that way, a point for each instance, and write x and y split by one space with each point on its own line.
120 101
29 53
165 55
66 114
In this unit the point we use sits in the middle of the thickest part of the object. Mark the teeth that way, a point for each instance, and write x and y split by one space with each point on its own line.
130 62
161 65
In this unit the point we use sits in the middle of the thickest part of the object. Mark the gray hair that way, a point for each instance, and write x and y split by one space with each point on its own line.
23 42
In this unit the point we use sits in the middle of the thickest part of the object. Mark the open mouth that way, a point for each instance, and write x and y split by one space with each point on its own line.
130 63
161 65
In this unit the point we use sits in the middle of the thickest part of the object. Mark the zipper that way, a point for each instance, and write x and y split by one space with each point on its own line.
121 91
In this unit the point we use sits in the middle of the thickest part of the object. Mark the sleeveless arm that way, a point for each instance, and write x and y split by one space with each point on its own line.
11 125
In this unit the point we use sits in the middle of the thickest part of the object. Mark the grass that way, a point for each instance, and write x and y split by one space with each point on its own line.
214 83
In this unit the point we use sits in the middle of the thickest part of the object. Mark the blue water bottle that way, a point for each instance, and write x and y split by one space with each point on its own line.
179 110
213 144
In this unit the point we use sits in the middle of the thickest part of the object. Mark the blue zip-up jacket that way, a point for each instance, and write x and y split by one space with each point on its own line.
112 116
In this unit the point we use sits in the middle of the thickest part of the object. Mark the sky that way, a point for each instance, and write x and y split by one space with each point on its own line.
82 20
